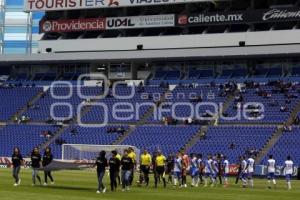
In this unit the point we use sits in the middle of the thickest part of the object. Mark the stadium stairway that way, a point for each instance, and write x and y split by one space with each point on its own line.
198 136
23 110
277 134
125 135
56 135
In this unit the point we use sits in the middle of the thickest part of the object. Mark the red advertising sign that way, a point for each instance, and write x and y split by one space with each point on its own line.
73 25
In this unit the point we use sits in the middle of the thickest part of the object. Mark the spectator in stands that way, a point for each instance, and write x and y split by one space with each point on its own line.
287 128
232 146
296 121
284 108
73 131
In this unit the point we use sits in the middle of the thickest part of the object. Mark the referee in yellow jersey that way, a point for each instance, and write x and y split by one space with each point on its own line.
132 155
160 168
146 161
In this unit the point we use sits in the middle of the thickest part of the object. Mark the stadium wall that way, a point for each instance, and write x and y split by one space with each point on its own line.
263 38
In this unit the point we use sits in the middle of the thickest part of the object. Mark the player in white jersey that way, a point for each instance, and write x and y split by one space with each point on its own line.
243 174
177 169
288 169
225 167
209 172
194 170
250 170
271 166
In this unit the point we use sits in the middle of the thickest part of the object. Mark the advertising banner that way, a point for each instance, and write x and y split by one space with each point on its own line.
48 5
239 17
97 24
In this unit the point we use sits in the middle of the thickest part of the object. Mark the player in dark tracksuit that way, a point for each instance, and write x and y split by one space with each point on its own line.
239 172
17 162
47 159
114 169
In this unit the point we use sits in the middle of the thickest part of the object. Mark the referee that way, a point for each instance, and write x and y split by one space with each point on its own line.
146 161
160 168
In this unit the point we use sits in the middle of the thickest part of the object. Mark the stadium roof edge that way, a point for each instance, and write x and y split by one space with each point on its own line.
159 54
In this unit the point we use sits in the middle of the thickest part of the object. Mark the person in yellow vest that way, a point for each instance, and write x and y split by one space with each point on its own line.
118 156
146 161
132 155
160 162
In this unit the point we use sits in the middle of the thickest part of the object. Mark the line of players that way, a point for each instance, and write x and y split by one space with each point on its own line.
207 171
202 171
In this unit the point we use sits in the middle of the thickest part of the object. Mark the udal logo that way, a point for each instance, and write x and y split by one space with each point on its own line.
182 19
47 26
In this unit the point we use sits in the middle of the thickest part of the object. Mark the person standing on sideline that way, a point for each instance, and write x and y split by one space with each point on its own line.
101 163
17 162
127 165
36 159
47 159
114 169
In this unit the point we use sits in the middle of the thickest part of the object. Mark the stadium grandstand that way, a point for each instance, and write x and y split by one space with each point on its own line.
206 77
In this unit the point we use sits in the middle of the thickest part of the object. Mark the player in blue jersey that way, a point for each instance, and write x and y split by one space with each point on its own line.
194 170
225 169
271 167
177 169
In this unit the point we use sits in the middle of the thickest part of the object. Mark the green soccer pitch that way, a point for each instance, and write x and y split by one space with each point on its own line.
79 185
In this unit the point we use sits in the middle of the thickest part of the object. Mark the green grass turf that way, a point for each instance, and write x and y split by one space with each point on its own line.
78 185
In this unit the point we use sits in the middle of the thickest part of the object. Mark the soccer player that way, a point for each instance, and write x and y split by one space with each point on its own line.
118 156
127 165
101 163
170 167
243 174
132 155
177 169
201 167
250 170
215 170
146 161
219 167
208 169
271 165
47 159
160 168
288 169
225 169
36 159
114 169
185 168
195 171
17 162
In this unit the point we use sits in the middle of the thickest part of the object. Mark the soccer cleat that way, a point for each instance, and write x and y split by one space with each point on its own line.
127 189
15 184
104 190
98 192
19 182
52 183
45 184
123 190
